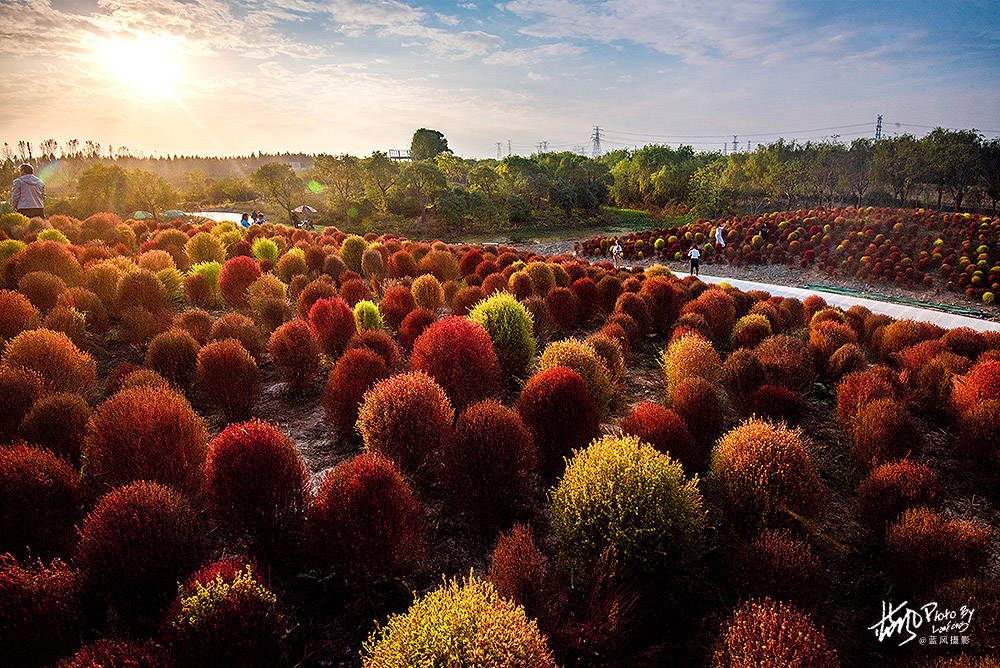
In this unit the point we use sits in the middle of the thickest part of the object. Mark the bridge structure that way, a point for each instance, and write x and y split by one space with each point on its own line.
399 154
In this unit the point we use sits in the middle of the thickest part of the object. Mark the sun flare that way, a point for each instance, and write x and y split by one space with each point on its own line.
147 65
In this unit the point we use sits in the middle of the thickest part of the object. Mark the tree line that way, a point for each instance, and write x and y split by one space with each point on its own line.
946 168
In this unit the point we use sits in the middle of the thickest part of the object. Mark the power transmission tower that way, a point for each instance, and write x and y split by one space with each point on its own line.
596 138
498 150
734 144
508 147
878 127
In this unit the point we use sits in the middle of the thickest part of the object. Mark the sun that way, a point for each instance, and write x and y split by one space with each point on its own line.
147 65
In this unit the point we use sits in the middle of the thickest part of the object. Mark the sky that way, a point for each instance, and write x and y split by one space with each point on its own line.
210 77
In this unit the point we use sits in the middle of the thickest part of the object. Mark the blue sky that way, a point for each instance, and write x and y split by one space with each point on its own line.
215 77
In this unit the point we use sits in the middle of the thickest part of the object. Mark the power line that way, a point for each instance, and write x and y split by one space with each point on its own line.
745 134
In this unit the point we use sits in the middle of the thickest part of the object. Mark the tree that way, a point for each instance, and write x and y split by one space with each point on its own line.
859 167
102 188
278 182
990 165
378 175
341 173
149 191
898 164
423 180
427 144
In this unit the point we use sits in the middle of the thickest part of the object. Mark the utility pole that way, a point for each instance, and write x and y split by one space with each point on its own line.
725 148
734 144
498 150
596 137
878 127
508 147
748 145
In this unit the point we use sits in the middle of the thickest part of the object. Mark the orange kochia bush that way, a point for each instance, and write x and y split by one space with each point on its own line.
458 354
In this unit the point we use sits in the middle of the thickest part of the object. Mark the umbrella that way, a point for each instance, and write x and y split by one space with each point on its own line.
142 215
173 213
305 208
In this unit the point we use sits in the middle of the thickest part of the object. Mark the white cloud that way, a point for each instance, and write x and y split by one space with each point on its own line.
535 54
535 76
447 19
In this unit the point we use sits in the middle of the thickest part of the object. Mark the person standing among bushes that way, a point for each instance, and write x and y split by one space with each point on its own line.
695 256
720 243
27 194
616 252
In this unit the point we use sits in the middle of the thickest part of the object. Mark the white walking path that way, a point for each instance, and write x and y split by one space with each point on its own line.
898 311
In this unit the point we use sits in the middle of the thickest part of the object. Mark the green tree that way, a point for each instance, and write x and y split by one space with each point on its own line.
427 144
423 180
102 188
378 175
341 174
953 159
278 182
149 191
990 165
859 168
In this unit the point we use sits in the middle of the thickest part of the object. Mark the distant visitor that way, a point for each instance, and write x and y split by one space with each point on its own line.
695 256
27 194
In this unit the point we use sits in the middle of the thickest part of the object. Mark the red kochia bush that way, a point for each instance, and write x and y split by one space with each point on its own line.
197 322
42 289
894 487
61 366
365 521
16 314
663 301
321 288
560 411
863 387
396 304
39 501
57 422
90 305
235 277
489 461
135 545
332 323
141 289
19 389
777 564
921 545
465 299
257 486
697 402
293 348
144 433
115 653
763 632
352 376
355 290
586 292
664 430
379 343
982 383
405 418
885 430
564 306
228 376
774 402
979 433
458 354
40 615
174 355
237 326
414 324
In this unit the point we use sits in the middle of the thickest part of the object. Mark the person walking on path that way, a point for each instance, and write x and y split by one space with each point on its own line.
616 253
695 256
720 243
27 194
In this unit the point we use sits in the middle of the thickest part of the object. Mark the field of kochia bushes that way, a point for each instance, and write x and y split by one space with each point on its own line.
263 447
908 247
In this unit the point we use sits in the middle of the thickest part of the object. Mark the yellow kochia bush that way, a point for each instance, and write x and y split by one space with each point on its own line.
459 624
622 495
688 357
582 358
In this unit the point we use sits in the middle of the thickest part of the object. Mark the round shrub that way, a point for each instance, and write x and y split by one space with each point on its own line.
664 430
621 496
458 354
205 247
459 625
582 358
982 383
860 388
227 375
564 306
414 324
352 376
776 564
351 250
466 299
894 487
142 377
557 407
774 403
61 366
40 615
741 374
698 404
787 362
144 433
236 276
379 343
763 632
17 314
689 357
198 291
256 486
50 256
225 616
402 264
290 265
750 330
174 355
979 432
196 322
69 321
718 309
135 545
921 545
42 289
333 325
885 430
489 461
634 307
365 521
141 288
39 501
516 568
427 292
354 291
396 304
138 325
848 358
510 328
57 422
367 316
405 418
293 348
765 473
313 292
609 350
19 388
237 326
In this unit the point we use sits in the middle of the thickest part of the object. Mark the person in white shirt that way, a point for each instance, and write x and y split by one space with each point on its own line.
27 194
695 256
720 243
616 253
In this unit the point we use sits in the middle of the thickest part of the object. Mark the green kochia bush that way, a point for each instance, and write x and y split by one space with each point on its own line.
459 625
367 316
621 495
510 326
